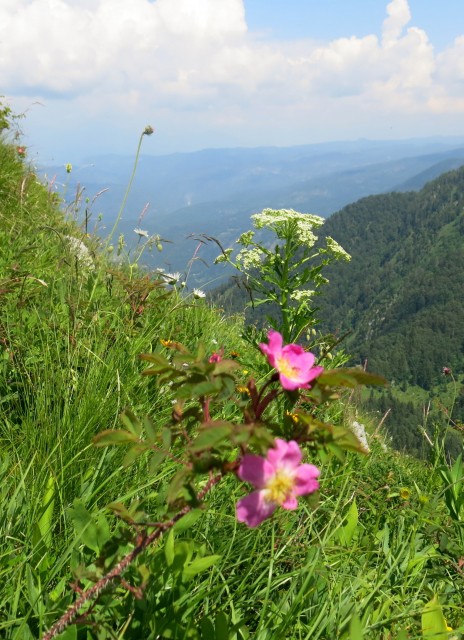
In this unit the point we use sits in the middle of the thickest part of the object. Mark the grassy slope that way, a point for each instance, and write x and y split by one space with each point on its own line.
69 344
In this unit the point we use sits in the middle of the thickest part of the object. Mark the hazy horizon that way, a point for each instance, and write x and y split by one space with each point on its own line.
91 74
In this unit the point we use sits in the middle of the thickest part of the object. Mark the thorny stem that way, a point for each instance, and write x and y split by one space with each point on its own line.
206 414
93 592
261 403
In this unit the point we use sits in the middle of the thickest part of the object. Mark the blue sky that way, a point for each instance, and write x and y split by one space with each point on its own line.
90 74
329 19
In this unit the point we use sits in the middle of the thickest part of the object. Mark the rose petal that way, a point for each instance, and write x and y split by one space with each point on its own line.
291 503
285 454
296 351
253 509
255 470
273 350
305 480
290 384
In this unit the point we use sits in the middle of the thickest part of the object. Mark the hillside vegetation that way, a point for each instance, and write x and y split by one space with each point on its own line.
377 555
399 302
402 295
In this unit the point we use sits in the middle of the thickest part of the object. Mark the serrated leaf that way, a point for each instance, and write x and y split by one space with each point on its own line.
93 530
156 458
131 423
150 429
211 436
204 388
70 633
133 453
176 484
166 436
121 510
225 366
349 378
155 359
113 437
346 439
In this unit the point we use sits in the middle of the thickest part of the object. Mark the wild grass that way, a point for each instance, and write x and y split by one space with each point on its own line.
361 563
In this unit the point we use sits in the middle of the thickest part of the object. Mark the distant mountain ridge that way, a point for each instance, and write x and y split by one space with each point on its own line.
215 191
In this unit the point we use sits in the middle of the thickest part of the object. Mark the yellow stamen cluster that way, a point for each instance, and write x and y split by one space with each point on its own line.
284 367
279 487
167 343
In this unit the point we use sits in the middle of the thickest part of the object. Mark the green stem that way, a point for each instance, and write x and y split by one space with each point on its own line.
284 309
126 195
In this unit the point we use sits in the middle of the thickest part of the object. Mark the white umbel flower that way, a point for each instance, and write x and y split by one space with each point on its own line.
336 250
359 431
277 219
80 252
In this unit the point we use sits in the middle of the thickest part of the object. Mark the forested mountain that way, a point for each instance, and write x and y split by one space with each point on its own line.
402 294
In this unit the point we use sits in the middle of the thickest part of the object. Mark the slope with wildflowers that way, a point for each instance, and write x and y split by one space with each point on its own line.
164 475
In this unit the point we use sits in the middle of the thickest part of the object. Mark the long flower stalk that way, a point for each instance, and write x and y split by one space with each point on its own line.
146 132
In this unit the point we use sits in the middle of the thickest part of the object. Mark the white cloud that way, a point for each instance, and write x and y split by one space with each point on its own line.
69 47
398 17
194 62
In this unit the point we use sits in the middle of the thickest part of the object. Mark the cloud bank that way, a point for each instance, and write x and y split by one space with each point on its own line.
195 63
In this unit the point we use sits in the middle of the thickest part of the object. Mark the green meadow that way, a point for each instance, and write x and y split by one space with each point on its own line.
377 553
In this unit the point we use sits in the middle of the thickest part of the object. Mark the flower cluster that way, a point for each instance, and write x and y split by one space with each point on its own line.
359 431
250 258
302 295
223 257
278 219
279 478
81 252
336 250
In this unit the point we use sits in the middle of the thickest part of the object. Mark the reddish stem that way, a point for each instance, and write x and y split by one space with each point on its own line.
94 591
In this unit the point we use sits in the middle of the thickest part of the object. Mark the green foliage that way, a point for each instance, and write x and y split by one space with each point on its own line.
279 276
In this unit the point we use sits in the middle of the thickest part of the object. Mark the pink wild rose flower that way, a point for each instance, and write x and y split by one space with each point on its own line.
279 479
294 364
215 357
